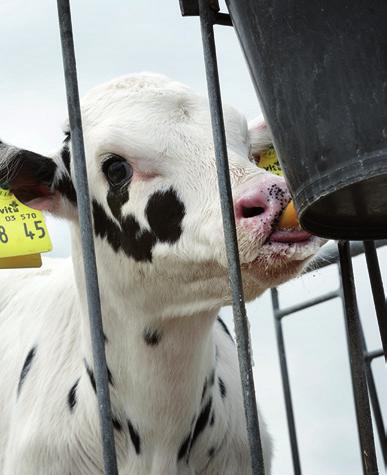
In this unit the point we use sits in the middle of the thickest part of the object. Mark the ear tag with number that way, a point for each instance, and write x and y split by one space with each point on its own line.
23 233
269 161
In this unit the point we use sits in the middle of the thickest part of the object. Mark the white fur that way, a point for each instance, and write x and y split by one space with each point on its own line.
162 128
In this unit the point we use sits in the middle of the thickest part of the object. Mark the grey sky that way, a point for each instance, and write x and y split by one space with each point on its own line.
117 37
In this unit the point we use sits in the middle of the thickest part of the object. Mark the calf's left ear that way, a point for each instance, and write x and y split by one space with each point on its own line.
260 137
34 179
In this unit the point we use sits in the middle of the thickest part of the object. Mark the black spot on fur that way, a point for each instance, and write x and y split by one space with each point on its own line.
67 138
222 388
211 451
90 373
116 199
165 213
110 377
204 389
26 368
201 422
134 242
226 330
151 336
212 420
105 228
66 188
117 424
212 378
135 438
72 395
66 157
184 447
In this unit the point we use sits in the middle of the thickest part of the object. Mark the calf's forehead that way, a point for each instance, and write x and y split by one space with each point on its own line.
151 117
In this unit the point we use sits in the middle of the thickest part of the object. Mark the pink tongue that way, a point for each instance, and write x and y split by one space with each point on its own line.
289 236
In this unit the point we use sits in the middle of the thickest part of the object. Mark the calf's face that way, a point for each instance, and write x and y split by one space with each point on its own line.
154 192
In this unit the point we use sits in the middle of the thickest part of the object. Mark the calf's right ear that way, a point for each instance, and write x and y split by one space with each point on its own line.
34 179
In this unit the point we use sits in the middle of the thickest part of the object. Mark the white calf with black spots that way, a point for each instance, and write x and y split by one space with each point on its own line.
173 372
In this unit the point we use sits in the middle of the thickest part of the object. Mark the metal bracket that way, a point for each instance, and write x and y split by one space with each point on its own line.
191 8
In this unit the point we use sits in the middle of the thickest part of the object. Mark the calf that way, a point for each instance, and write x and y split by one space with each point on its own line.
172 363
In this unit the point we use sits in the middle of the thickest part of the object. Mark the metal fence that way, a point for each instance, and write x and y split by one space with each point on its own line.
360 360
330 256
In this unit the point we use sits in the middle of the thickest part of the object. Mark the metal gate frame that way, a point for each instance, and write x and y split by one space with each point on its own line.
208 11
329 256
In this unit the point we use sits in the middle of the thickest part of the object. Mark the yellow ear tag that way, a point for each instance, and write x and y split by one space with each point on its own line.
23 233
269 161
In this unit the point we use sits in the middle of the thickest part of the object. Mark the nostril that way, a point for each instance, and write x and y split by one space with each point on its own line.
251 212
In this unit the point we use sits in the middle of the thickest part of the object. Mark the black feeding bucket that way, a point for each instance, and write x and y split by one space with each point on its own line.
320 70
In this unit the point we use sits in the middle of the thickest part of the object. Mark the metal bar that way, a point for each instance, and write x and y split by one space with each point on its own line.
371 355
222 19
191 7
377 290
239 309
378 416
355 347
329 254
283 312
86 230
286 385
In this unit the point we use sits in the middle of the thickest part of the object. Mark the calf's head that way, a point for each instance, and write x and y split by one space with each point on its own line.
154 193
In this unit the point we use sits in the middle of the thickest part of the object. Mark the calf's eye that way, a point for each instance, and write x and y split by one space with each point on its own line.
117 171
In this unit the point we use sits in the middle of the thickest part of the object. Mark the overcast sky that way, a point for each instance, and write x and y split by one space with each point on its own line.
116 37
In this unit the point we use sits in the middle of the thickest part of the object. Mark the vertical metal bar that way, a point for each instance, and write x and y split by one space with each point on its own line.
377 291
239 310
373 393
355 346
286 383
376 409
86 229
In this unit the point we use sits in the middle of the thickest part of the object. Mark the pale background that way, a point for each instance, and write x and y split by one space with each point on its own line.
117 37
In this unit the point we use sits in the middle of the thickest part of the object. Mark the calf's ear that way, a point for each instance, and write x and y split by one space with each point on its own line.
34 179
260 138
